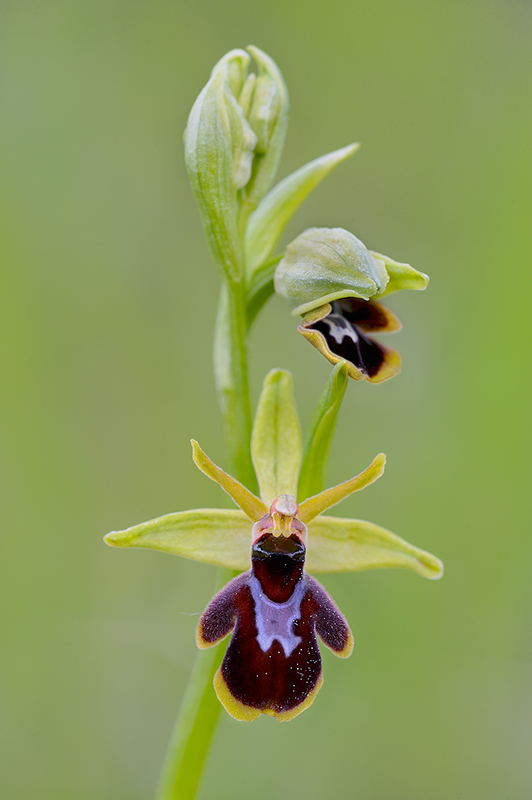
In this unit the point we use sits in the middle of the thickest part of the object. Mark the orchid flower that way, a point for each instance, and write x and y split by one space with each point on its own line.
275 608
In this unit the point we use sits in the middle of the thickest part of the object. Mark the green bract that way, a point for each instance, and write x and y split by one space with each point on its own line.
222 537
320 433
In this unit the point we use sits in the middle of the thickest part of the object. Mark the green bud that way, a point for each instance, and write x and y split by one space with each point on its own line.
268 117
236 63
233 144
326 264
219 145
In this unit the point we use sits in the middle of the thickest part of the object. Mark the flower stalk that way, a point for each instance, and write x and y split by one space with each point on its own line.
231 380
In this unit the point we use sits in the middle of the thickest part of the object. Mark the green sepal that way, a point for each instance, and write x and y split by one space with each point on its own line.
352 545
320 433
267 223
268 117
326 264
213 535
276 438
219 145
401 276
261 288
250 505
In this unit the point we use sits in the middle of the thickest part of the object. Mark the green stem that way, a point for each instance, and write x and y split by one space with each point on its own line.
195 724
231 376
200 709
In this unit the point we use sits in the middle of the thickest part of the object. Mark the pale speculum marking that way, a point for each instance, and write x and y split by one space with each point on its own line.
340 328
274 620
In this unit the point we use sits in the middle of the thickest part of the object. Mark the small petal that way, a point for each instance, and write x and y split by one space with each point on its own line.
213 535
330 497
352 545
250 505
276 438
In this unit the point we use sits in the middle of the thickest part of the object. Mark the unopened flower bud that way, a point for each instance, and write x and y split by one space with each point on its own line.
268 116
326 264
219 145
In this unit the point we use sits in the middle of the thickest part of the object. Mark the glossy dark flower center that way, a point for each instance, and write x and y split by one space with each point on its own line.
342 330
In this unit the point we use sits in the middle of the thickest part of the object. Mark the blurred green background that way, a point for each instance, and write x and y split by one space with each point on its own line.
106 323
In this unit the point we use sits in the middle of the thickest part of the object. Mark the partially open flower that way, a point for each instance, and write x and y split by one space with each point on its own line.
335 283
339 331
275 608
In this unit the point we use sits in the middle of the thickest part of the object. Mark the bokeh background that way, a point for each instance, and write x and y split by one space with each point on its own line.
106 322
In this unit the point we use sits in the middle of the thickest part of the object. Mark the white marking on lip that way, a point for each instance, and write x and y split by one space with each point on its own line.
274 620
340 328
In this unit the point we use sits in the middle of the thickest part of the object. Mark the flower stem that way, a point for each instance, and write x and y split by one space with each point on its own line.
232 387
200 709
195 724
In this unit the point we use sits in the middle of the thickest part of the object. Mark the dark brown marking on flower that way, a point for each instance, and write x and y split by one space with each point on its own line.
269 679
347 342
367 316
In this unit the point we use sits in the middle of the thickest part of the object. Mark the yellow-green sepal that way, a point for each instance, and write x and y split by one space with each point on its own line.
219 146
320 433
353 545
276 438
267 223
213 535
401 276
326 264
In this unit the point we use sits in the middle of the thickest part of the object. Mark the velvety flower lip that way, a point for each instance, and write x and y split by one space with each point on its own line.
273 611
339 331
